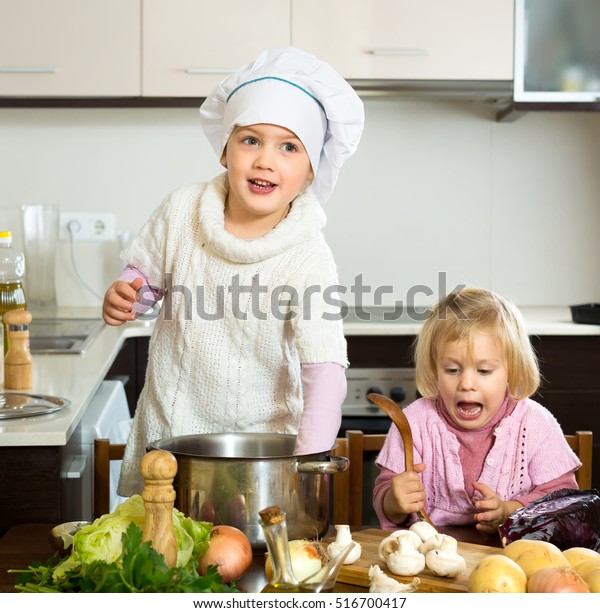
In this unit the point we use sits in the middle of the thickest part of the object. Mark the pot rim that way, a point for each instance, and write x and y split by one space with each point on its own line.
165 443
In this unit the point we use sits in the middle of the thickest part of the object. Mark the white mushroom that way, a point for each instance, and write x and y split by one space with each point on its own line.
406 560
445 561
431 543
424 529
342 540
390 543
380 582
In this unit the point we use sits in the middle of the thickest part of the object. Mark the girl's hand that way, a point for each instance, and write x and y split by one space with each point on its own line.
492 511
405 496
119 299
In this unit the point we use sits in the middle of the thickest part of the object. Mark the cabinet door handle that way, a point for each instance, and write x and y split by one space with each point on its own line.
400 52
194 70
76 467
27 70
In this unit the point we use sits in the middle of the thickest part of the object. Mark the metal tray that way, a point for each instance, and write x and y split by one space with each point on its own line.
14 404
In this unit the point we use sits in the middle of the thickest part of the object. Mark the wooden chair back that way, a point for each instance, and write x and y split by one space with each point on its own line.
581 444
358 444
104 453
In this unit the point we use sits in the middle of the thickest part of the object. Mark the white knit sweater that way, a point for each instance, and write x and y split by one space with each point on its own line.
239 372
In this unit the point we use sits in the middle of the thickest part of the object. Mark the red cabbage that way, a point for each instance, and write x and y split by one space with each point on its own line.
567 518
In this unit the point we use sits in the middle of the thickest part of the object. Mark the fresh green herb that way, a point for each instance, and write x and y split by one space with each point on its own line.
139 568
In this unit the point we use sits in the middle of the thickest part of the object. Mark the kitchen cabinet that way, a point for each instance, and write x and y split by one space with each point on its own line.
30 487
70 48
152 52
570 386
557 51
130 367
409 40
189 46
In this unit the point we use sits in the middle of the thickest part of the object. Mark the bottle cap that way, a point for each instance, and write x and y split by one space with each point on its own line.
5 238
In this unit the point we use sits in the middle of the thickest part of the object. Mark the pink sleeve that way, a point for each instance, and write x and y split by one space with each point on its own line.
324 388
565 481
148 295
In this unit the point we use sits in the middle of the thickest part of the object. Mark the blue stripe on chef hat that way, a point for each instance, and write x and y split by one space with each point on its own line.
285 84
276 79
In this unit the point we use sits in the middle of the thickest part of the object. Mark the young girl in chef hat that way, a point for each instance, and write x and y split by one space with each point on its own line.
482 448
246 339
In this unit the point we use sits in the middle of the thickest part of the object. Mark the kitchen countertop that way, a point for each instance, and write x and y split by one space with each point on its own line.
72 376
543 321
77 377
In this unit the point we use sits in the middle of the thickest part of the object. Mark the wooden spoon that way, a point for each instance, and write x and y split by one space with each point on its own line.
396 414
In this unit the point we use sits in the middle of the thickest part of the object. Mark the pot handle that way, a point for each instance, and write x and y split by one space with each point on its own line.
336 464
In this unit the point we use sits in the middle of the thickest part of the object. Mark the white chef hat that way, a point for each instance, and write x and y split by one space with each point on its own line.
296 90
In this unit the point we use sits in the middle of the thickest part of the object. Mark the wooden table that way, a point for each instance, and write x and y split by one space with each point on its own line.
27 543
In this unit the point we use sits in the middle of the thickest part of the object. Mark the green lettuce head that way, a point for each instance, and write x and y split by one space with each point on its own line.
101 540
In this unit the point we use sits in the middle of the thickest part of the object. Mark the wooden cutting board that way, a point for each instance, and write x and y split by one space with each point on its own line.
358 573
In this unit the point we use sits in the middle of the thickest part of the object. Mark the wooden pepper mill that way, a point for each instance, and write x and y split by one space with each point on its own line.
159 469
18 368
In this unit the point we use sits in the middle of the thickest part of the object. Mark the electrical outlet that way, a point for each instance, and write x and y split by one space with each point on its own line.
87 226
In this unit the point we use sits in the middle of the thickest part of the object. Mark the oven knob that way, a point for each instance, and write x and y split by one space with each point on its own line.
398 394
374 390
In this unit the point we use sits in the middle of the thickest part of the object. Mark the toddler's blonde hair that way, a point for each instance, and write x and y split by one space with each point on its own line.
464 314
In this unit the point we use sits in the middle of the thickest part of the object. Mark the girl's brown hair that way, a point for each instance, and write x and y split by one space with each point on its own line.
462 315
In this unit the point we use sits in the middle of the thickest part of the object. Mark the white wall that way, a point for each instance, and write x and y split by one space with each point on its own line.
436 187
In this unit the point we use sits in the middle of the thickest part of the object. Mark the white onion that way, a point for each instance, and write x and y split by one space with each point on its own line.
305 558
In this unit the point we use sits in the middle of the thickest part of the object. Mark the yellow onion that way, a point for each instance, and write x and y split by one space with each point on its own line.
230 550
553 579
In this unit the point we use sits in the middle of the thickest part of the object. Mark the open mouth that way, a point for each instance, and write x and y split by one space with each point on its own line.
261 185
469 410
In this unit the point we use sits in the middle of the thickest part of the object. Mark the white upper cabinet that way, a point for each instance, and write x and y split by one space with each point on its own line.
70 48
191 45
408 39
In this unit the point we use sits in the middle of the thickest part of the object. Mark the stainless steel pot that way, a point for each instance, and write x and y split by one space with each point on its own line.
229 478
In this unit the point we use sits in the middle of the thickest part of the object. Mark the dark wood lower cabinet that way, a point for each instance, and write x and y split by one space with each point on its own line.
570 388
130 366
30 486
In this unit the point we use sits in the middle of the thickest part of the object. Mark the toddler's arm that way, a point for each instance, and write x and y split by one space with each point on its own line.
122 299
492 512
382 486
324 389
566 481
